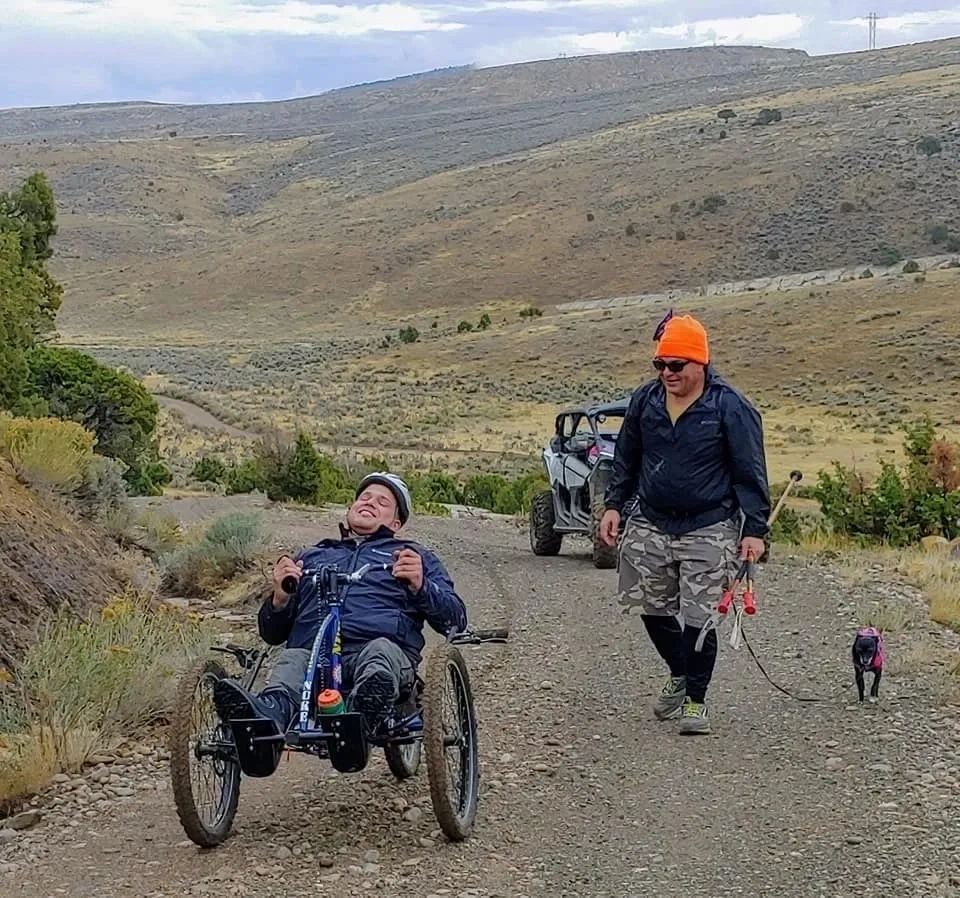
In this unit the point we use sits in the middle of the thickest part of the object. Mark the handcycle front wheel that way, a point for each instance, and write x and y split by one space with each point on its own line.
203 758
403 759
449 736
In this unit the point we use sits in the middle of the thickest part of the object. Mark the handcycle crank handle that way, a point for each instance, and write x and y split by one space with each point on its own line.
290 583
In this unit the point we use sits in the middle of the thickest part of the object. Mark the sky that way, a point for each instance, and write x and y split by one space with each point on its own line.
56 52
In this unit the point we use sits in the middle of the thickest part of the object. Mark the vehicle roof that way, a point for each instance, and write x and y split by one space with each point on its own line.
615 407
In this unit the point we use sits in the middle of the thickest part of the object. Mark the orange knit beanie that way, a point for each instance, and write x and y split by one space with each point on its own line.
684 338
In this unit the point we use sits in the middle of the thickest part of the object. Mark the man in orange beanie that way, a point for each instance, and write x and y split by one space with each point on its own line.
690 463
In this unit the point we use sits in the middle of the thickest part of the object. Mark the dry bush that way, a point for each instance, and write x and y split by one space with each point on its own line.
85 683
47 452
155 532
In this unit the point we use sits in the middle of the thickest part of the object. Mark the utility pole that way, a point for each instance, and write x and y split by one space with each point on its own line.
872 19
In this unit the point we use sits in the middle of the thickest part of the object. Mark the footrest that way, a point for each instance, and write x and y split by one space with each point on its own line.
345 739
259 745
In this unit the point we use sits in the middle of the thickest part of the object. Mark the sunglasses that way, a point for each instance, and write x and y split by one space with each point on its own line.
675 367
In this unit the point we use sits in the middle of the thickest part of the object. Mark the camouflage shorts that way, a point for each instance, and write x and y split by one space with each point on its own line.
672 575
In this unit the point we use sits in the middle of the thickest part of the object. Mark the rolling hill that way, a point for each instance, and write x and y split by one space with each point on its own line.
536 183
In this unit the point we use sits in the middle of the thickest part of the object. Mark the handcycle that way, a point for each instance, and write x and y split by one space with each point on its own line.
251 747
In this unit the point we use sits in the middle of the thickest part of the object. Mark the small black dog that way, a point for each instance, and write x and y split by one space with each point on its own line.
868 655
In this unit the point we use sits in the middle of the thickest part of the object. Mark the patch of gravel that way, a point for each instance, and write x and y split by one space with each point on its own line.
583 793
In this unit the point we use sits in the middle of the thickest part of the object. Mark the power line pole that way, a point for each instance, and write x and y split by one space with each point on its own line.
872 19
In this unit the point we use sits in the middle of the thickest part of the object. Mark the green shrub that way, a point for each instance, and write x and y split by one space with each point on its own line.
900 506
209 470
230 544
713 203
117 408
435 487
787 528
767 116
887 255
409 334
244 478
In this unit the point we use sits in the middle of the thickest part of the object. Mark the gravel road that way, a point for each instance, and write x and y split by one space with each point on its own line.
583 792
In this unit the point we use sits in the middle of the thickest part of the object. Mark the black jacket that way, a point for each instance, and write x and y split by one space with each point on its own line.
702 470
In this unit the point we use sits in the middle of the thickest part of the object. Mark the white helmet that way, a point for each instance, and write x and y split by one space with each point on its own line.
396 486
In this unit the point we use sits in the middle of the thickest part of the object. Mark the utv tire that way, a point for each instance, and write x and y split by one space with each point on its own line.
604 556
544 540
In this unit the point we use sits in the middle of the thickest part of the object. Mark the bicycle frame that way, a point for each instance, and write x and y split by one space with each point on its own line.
326 662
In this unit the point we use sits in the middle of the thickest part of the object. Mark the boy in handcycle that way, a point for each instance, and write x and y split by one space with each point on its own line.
382 616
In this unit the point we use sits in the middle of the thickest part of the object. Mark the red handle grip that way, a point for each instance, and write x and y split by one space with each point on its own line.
725 602
749 602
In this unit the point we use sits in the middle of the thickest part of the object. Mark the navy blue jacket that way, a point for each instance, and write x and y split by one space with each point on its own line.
702 470
380 605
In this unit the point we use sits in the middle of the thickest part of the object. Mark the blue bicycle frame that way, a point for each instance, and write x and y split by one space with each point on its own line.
325 654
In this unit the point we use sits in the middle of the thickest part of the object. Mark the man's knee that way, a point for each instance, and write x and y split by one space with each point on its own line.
384 656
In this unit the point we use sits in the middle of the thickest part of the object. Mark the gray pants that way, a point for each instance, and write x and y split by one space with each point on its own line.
380 659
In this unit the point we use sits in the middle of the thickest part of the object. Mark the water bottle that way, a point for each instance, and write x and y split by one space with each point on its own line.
330 701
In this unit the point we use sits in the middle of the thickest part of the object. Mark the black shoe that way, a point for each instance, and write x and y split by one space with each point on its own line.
264 715
233 702
374 698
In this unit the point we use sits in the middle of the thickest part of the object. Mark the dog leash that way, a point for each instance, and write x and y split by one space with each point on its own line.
783 689
737 636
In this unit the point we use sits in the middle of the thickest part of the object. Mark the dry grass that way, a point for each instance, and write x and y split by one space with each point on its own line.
934 573
938 576
85 683
833 380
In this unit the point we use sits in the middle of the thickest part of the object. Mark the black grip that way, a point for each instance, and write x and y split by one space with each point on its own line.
500 633
289 584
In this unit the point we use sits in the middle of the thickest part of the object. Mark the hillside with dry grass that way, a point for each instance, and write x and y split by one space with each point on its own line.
536 184
268 261
50 562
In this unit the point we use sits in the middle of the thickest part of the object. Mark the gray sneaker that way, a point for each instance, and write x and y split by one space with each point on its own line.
694 720
670 700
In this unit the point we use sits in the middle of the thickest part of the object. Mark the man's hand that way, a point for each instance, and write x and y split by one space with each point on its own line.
408 565
609 526
752 545
285 567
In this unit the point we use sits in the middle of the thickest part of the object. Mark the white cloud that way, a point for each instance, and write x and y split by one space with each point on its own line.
290 17
557 5
909 21
764 29
210 50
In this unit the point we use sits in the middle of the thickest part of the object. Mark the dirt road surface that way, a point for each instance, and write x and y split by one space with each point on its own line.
583 792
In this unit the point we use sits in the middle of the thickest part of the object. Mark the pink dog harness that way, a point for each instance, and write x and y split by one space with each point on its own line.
874 633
